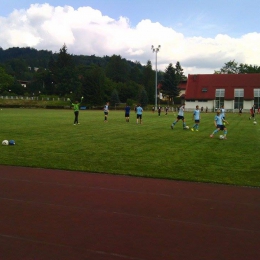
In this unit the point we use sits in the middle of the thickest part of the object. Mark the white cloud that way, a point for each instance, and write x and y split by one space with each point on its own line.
86 31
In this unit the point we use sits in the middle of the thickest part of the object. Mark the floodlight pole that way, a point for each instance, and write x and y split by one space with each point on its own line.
156 50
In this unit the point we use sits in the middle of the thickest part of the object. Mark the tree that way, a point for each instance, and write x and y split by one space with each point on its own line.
171 80
114 99
5 80
135 73
244 68
149 81
64 77
232 67
128 90
117 69
93 84
143 98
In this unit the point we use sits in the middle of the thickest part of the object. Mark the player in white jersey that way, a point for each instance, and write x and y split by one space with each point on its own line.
106 110
223 112
196 117
180 117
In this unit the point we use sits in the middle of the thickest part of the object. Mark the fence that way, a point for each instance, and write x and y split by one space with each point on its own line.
34 98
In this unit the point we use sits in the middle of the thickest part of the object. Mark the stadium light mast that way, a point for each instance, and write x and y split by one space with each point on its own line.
156 50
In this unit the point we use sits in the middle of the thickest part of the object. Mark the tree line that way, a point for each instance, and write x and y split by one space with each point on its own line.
98 79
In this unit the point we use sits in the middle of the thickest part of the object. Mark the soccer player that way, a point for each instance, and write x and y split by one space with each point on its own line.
252 112
240 111
196 117
127 113
106 110
166 111
223 111
76 106
219 124
159 111
180 117
139 114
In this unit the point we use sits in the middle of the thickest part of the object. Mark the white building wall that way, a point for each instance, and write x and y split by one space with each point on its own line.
248 104
229 104
191 105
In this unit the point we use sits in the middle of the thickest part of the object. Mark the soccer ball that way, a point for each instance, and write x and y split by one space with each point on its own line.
187 127
255 122
221 137
5 142
11 142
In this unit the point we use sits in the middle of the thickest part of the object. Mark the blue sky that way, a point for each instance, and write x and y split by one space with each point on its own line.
202 35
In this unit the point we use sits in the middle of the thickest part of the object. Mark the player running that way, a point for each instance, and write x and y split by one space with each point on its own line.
196 117
180 117
219 124
252 112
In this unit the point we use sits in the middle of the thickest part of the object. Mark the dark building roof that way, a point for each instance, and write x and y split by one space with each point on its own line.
182 85
203 86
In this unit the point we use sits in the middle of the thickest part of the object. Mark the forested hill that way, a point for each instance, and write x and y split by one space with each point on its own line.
32 57
27 71
41 58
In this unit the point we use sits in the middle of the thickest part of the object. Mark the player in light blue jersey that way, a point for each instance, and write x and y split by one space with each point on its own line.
139 114
180 117
219 124
196 117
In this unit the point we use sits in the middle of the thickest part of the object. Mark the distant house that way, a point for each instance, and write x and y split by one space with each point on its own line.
24 83
182 86
231 90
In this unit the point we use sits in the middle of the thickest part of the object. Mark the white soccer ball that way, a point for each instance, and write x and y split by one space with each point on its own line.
255 122
5 142
221 137
187 127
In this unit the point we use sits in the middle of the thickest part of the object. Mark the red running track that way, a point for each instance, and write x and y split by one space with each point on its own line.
55 214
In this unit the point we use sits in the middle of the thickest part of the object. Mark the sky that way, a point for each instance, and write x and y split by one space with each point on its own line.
202 35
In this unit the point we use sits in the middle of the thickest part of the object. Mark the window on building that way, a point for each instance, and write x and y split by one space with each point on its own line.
257 97
219 97
239 98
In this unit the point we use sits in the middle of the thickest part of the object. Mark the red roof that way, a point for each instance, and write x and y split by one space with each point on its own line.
203 86
182 85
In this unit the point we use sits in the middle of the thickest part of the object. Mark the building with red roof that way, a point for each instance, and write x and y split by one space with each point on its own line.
230 90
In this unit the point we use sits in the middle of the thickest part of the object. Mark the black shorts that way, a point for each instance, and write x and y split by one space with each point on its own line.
126 114
139 116
221 127
197 121
180 117
106 113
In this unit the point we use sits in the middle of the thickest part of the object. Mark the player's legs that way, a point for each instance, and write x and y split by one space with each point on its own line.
225 133
76 113
214 132
106 114
183 123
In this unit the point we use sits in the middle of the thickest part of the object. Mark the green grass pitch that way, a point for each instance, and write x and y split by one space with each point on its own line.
48 139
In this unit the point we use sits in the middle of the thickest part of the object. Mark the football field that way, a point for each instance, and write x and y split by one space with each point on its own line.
48 139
